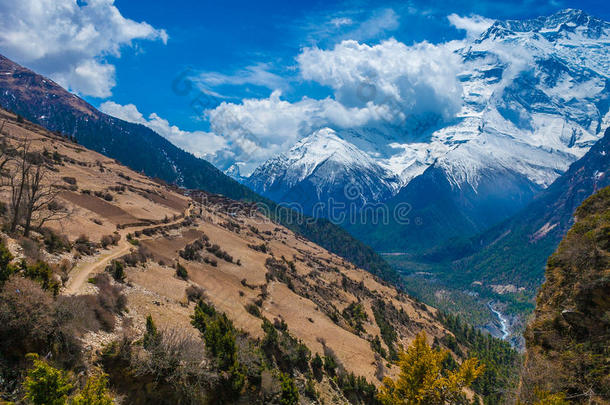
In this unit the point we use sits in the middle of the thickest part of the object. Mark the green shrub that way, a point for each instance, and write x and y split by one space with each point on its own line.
41 273
181 272
290 394
116 269
95 392
45 385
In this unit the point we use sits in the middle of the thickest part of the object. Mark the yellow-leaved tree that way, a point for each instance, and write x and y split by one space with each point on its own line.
423 380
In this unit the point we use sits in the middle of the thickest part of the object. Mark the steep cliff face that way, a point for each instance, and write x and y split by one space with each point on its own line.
568 342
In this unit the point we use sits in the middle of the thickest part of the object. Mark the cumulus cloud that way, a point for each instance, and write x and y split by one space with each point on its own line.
258 129
406 80
69 41
474 25
202 144
379 86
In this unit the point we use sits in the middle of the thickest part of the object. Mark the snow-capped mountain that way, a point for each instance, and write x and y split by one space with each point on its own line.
234 172
535 98
324 166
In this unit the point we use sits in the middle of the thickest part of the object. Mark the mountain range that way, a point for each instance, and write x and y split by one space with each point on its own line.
535 98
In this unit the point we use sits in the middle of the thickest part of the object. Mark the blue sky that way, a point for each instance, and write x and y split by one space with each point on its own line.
228 37
231 50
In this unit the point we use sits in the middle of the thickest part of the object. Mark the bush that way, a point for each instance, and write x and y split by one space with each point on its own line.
290 394
6 268
45 385
254 310
55 243
84 246
194 293
263 248
181 272
42 273
106 241
110 296
26 317
69 180
310 389
221 254
116 269
135 257
316 366
93 312
31 249
218 333
95 391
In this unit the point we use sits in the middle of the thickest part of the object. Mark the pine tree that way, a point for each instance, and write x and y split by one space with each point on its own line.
423 379
44 384
151 337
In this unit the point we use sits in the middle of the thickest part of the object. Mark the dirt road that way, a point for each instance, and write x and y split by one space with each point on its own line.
81 273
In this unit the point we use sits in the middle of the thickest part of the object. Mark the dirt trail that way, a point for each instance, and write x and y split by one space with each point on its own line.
81 273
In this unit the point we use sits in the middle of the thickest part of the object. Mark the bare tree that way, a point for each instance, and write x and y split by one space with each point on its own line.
18 182
5 156
33 197
40 198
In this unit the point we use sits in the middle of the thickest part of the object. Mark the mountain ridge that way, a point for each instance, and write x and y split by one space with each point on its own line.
44 102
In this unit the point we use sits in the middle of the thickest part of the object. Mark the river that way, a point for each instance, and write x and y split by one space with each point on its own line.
502 319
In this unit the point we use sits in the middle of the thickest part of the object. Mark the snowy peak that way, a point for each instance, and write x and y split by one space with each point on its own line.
323 164
234 172
321 147
560 24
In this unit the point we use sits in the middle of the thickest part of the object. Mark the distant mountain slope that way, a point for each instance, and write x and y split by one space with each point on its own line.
567 342
42 101
439 210
515 251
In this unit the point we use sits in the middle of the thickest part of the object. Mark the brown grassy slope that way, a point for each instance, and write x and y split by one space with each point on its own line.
291 279
568 342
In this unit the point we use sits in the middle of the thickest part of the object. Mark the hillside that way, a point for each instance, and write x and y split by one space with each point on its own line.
567 341
42 101
167 249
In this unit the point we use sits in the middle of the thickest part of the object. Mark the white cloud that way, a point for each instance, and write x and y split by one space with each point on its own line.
69 41
379 86
341 21
383 21
258 129
257 74
474 25
407 80
202 144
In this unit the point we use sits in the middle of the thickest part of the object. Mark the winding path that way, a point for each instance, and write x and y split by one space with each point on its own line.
81 273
